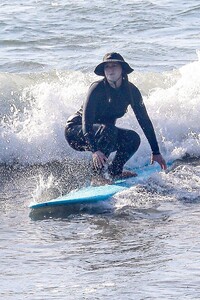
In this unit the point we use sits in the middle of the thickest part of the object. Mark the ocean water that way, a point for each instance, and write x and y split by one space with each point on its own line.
144 244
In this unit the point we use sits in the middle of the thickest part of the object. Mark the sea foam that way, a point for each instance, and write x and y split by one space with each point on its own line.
35 107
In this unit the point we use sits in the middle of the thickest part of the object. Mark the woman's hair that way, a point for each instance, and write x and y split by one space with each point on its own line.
127 84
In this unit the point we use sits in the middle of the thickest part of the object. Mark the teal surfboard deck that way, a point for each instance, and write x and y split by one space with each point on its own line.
90 194
94 194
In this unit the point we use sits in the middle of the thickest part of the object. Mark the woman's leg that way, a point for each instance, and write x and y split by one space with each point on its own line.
108 139
127 143
75 137
105 138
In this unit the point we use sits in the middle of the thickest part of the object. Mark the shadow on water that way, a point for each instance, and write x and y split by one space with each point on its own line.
58 212
63 212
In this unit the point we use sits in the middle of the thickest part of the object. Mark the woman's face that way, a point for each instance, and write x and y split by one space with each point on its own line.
113 71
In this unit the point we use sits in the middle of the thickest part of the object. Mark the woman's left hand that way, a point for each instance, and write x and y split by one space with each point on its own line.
159 159
99 160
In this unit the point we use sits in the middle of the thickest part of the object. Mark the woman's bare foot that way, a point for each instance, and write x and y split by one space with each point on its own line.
125 174
100 180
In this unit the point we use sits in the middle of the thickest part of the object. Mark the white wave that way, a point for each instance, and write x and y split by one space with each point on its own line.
34 109
175 112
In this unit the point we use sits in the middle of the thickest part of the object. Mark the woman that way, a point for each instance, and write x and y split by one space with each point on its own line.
92 128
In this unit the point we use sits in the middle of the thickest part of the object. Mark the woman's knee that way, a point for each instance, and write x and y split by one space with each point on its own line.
129 139
135 139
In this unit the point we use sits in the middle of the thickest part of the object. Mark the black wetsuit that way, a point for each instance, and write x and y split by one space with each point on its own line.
93 127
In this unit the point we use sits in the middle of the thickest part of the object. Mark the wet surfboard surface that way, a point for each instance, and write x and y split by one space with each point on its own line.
94 194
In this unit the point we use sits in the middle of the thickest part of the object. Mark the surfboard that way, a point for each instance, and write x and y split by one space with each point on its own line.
90 194
94 194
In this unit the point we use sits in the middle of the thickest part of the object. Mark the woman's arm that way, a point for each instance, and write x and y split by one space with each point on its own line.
147 127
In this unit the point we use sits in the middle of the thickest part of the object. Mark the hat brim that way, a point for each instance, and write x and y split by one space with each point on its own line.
99 70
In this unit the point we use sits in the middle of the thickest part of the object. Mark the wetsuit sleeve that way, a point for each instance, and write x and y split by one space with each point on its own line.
88 117
144 120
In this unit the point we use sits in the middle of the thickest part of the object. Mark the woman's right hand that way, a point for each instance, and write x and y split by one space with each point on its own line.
99 160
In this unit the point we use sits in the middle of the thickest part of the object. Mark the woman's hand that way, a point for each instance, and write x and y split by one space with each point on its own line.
159 159
99 160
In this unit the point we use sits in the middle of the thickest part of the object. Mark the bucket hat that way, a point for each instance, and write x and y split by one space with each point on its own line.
113 57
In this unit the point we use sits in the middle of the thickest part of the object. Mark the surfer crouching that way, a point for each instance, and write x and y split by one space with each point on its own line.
92 128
